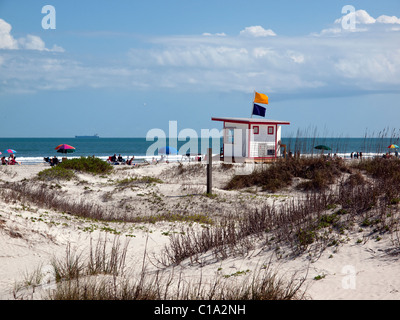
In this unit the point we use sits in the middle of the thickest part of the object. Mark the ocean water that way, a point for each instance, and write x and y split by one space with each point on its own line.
342 146
33 150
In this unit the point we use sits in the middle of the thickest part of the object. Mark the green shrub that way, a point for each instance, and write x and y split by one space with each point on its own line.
145 179
306 237
56 173
355 179
87 165
386 169
327 220
277 175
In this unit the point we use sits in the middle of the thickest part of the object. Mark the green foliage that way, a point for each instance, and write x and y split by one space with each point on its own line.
237 273
327 220
319 277
395 201
198 218
306 237
87 165
356 179
145 179
387 170
65 169
319 172
56 173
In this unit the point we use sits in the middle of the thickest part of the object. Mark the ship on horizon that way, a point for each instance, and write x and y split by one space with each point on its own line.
95 136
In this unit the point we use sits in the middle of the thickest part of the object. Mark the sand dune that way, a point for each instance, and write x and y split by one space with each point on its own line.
31 236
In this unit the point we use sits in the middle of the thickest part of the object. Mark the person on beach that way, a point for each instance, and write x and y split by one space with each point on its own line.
3 161
114 158
120 159
129 161
54 161
11 160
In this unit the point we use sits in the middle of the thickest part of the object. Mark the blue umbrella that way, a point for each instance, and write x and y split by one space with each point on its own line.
167 150
10 151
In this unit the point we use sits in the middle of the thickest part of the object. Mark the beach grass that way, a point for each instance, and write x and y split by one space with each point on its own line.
318 172
56 173
367 195
104 275
332 199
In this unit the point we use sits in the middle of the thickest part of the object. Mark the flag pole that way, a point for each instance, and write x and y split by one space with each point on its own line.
252 107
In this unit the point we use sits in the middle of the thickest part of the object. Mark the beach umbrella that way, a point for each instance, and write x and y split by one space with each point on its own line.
167 150
9 151
65 148
393 146
322 147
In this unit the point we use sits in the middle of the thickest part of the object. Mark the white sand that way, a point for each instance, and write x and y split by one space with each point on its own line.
30 237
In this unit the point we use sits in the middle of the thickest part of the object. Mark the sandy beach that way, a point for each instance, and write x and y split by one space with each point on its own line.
32 236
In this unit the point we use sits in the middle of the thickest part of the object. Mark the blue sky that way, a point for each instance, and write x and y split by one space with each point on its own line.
124 67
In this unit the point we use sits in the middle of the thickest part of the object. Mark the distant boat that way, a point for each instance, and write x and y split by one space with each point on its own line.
95 136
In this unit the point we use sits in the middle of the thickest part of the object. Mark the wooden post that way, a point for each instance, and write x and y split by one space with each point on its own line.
209 170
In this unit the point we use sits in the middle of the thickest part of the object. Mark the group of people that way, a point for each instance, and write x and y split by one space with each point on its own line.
120 160
356 155
11 160
53 161
387 155
335 156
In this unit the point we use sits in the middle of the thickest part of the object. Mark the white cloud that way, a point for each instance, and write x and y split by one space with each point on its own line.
29 42
296 57
6 39
359 62
388 20
57 48
363 17
193 56
260 52
363 22
221 34
338 31
257 31
360 16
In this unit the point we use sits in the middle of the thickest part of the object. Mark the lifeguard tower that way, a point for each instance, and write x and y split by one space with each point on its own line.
251 139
